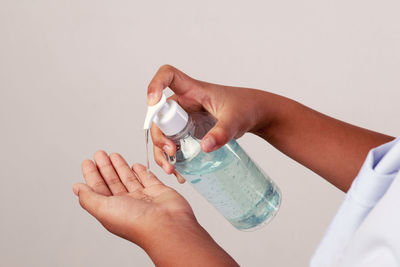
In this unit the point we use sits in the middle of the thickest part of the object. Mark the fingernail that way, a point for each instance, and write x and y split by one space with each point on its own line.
208 143
152 99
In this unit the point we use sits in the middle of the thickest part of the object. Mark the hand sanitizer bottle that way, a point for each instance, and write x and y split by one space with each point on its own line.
227 177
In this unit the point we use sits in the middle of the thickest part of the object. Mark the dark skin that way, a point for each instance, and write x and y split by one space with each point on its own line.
333 149
135 205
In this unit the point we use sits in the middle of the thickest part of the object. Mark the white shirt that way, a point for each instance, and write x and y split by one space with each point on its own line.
366 229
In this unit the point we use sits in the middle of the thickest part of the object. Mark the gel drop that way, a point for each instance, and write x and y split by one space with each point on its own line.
146 140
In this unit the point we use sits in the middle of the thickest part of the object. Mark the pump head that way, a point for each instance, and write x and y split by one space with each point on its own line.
167 115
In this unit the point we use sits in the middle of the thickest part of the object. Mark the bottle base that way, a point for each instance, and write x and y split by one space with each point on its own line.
262 214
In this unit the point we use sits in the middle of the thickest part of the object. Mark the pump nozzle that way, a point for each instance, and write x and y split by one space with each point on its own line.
152 112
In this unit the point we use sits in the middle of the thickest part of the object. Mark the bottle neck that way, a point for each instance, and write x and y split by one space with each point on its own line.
187 131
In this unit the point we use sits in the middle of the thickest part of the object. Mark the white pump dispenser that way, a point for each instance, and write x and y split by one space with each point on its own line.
167 115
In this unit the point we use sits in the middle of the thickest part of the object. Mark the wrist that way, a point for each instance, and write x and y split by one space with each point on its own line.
270 110
184 242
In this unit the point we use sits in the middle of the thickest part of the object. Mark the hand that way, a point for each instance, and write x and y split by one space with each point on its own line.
130 203
237 110
135 205
331 148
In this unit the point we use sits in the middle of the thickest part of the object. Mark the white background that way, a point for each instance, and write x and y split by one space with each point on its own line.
73 79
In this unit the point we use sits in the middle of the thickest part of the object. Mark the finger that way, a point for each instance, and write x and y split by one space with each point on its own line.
107 170
89 200
161 161
125 173
159 140
179 177
147 178
219 135
93 178
167 76
189 102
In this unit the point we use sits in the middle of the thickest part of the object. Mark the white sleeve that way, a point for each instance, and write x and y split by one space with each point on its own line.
372 182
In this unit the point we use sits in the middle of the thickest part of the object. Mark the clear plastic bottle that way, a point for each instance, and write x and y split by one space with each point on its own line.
227 177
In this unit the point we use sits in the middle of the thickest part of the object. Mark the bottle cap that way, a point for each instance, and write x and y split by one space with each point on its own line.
167 115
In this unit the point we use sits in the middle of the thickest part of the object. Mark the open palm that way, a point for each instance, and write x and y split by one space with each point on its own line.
129 202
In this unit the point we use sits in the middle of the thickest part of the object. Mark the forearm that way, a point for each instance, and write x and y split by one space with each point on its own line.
188 245
331 148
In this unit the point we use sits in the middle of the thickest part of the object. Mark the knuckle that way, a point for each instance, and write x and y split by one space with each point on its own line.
166 68
221 134
158 142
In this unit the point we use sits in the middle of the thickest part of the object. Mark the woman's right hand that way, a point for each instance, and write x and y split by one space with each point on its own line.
237 110
319 142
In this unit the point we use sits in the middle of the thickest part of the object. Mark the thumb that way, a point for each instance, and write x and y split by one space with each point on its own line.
89 200
219 135
168 76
